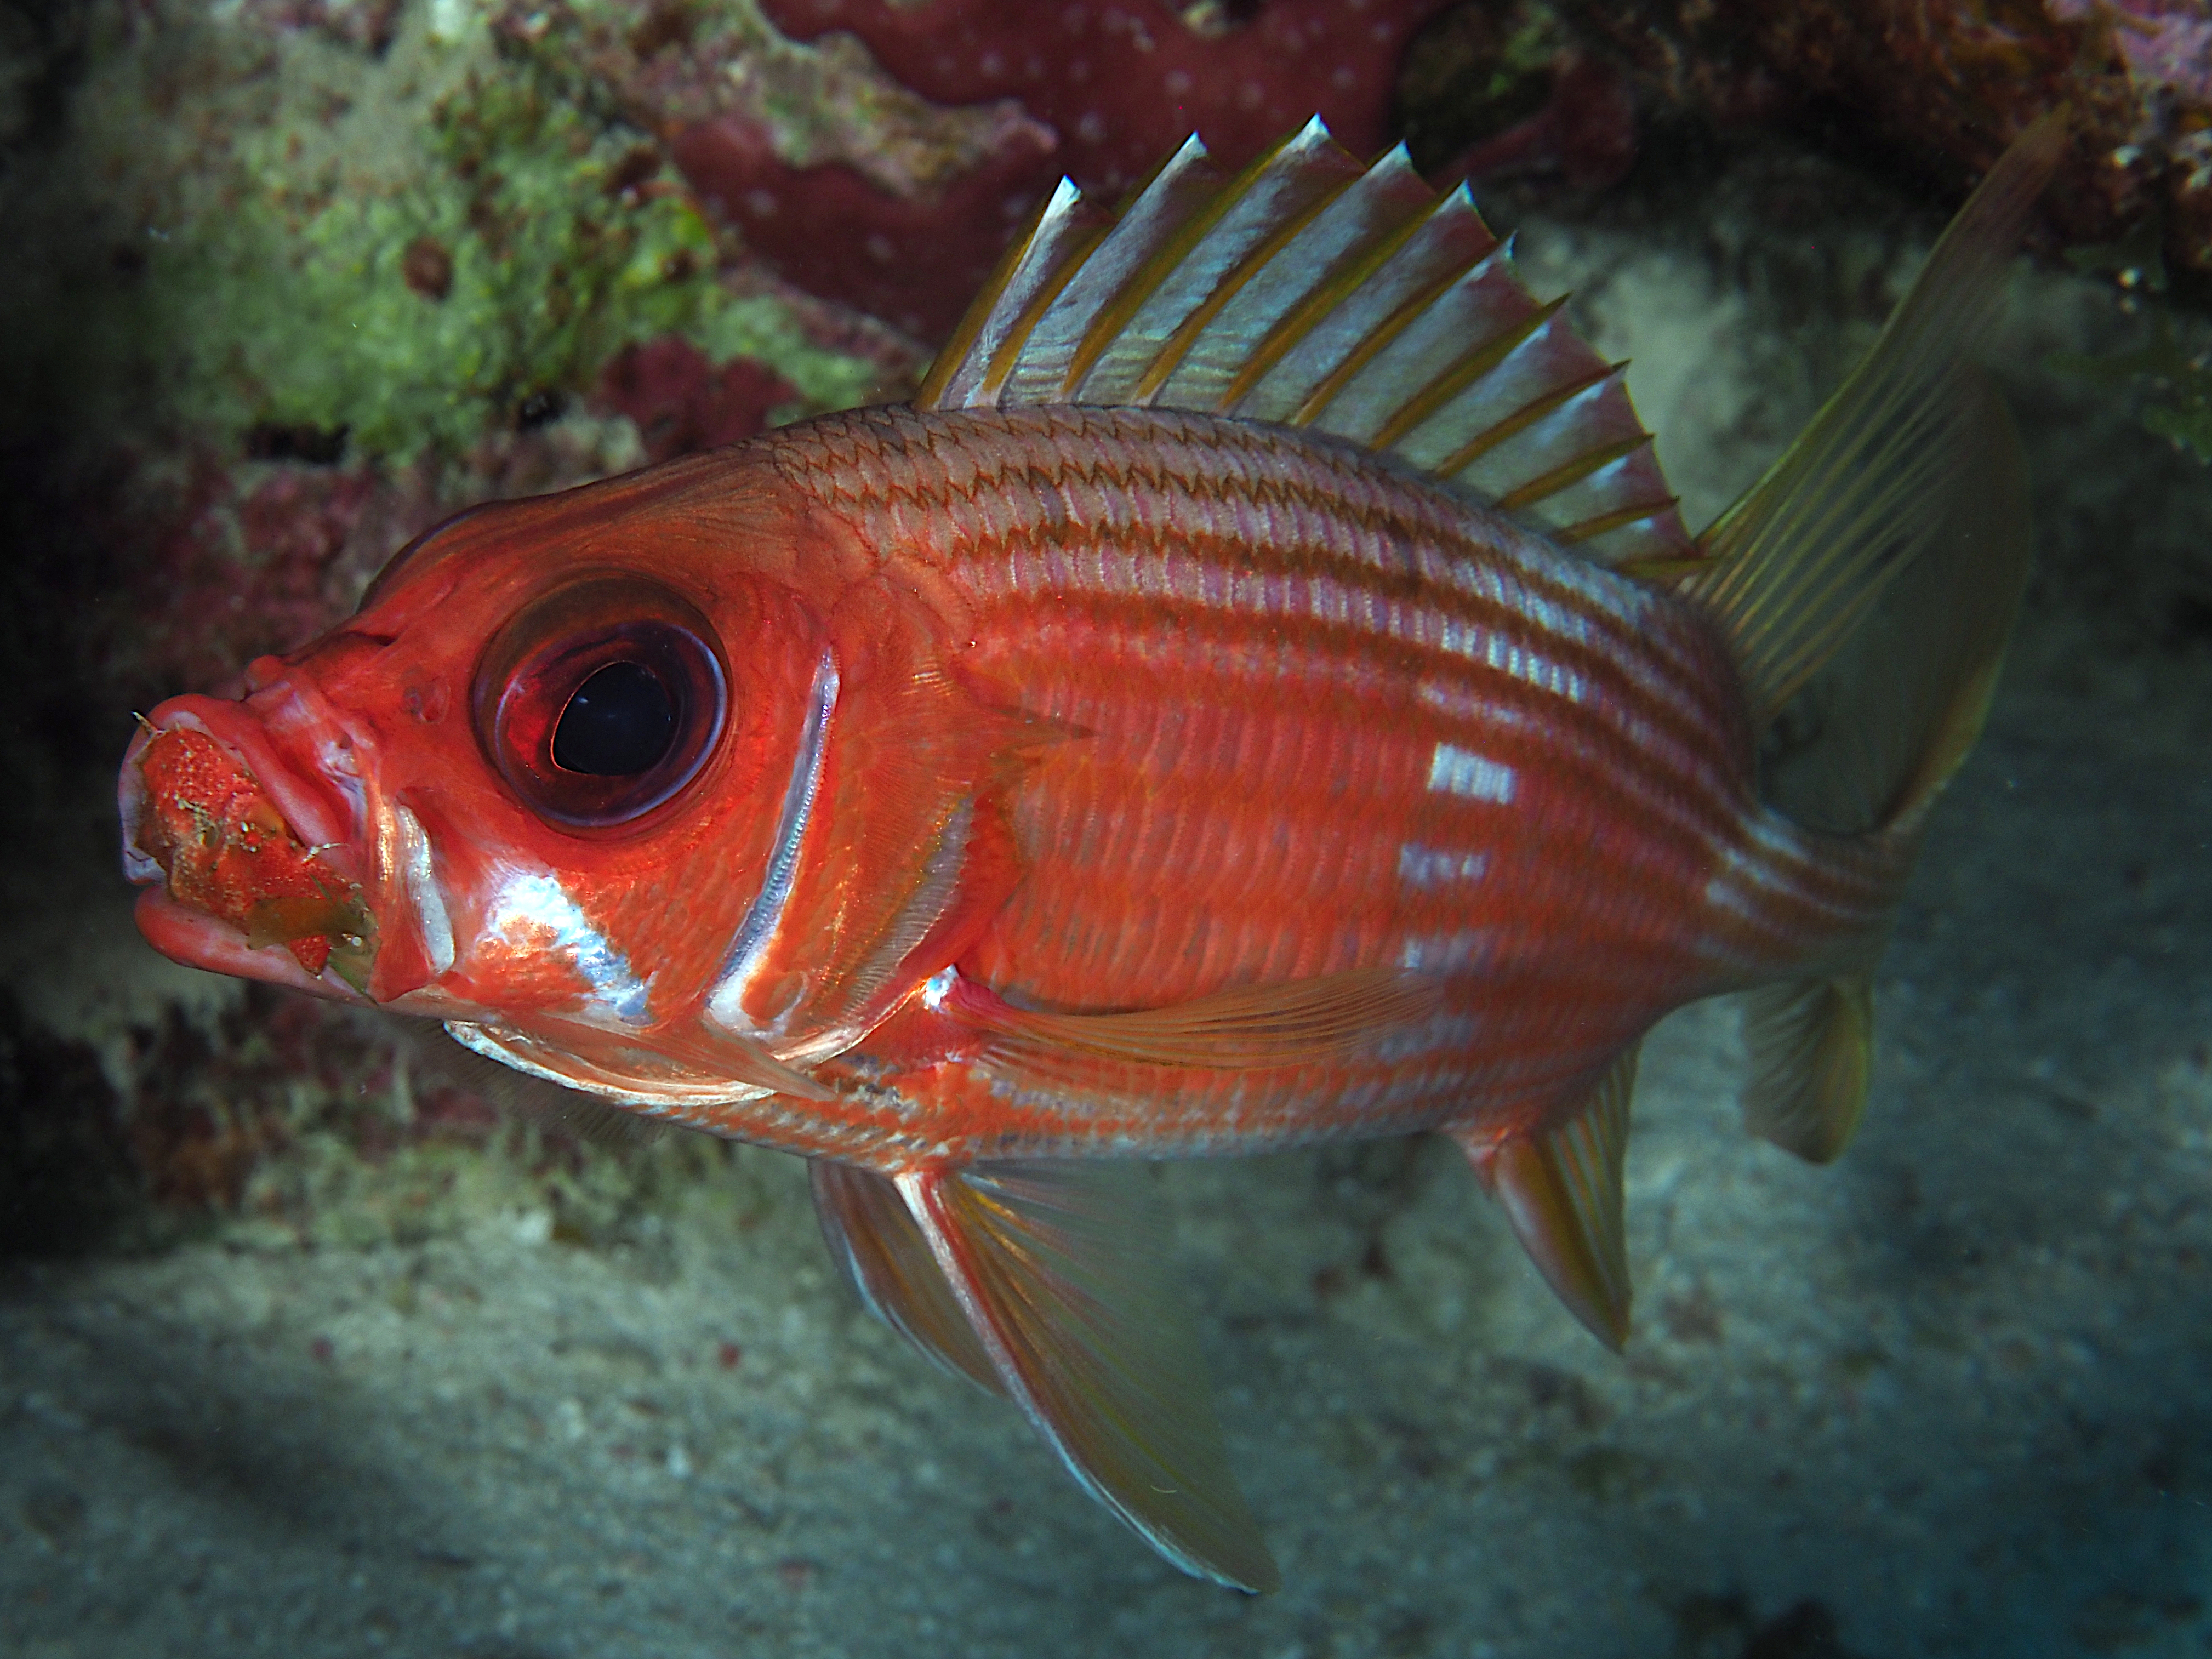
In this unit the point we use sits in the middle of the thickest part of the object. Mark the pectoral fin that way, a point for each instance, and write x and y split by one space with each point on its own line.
1561 1189
1254 1027
1058 1276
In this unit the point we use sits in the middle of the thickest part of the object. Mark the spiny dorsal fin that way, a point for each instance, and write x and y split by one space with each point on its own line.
1311 291
1561 1189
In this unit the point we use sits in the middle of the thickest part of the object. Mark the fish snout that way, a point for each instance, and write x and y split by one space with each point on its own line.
244 819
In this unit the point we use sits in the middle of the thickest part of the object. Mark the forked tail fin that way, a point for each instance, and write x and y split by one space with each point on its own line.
1868 583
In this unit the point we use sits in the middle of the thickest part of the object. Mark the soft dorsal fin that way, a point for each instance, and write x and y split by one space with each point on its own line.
1911 457
1311 291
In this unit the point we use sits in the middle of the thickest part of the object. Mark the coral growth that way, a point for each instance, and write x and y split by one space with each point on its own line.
1511 91
390 246
286 1119
1942 85
1105 91
1122 85
681 402
67 1175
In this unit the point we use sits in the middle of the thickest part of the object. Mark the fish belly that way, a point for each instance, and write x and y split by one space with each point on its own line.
1323 715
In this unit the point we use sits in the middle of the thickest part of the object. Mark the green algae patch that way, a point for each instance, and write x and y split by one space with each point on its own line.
2170 383
271 231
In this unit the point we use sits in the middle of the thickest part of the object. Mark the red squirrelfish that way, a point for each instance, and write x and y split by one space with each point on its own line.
1260 693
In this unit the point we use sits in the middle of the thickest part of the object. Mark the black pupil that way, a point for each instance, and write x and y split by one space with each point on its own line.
619 723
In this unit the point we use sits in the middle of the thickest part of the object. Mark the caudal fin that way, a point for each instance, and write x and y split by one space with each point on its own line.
1868 583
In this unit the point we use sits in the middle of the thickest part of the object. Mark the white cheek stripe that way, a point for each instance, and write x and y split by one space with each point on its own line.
1457 771
764 919
419 873
529 906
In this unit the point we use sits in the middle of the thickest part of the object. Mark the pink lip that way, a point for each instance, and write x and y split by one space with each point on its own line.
249 729
255 731
198 941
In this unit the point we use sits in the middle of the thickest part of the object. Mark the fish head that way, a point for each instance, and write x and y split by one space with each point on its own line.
536 775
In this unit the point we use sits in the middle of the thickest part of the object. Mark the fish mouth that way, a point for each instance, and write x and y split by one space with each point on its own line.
248 861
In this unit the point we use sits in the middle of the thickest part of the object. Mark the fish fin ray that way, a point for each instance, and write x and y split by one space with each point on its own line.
888 1262
1864 491
658 1064
1312 291
529 1094
1811 1044
996 322
1294 1022
1872 738
1561 1189
1063 1274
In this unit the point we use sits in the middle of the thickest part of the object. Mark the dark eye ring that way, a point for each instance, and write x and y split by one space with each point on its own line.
601 701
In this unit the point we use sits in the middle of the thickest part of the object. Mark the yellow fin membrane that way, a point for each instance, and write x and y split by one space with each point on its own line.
1561 1189
1049 1283
1867 489
1812 1048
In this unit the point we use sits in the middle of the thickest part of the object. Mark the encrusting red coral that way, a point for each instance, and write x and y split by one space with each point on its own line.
1122 84
1585 133
681 402
1943 85
1119 86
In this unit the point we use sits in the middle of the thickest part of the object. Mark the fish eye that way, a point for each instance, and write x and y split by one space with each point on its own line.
601 701
619 723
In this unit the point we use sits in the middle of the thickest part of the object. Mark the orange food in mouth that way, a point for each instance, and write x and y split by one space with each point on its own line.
226 851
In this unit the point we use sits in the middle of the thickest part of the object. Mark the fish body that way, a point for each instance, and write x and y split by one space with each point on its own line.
1260 694
1332 718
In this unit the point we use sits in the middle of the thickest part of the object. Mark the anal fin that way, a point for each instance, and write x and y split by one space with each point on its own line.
1811 1044
1561 1189
1048 1283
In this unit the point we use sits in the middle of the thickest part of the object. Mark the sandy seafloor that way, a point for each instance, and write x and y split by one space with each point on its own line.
1948 1397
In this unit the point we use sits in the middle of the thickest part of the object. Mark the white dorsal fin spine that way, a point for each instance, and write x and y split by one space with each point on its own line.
1242 275
1048 359
1127 341
1368 309
1305 281
1312 291
1040 251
